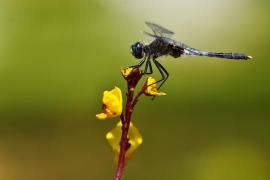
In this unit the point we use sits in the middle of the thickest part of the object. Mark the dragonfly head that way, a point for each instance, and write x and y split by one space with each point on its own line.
137 50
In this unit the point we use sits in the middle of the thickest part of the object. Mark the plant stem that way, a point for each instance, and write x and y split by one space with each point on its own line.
132 81
124 145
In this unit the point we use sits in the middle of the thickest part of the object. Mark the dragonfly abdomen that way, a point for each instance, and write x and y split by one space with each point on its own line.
229 55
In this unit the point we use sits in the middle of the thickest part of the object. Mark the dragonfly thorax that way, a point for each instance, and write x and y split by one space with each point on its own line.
137 50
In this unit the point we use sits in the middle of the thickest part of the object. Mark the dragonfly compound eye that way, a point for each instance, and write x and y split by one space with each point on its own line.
137 50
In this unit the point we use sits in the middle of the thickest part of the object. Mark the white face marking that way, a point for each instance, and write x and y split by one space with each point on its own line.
131 51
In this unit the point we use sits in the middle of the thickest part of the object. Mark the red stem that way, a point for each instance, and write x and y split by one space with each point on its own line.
136 99
132 81
124 145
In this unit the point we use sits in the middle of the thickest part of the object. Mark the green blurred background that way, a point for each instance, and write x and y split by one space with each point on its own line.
57 57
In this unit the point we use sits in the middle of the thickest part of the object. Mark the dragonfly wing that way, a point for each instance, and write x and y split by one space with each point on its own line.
160 31
148 34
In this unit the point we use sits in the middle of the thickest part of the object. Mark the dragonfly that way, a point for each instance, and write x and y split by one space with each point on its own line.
163 45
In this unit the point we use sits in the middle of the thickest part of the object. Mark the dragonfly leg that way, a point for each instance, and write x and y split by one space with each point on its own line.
148 63
164 73
140 63
161 70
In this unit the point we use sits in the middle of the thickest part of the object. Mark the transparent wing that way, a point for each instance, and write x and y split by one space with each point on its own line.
160 31
151 35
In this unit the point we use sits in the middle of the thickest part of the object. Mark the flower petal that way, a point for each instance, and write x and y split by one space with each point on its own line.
125 72
112 104
101 116
114 139
131 74
152 89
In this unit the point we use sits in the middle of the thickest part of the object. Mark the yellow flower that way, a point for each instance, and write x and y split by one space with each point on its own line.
114 138
152 89
112 104
125 72
131 74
